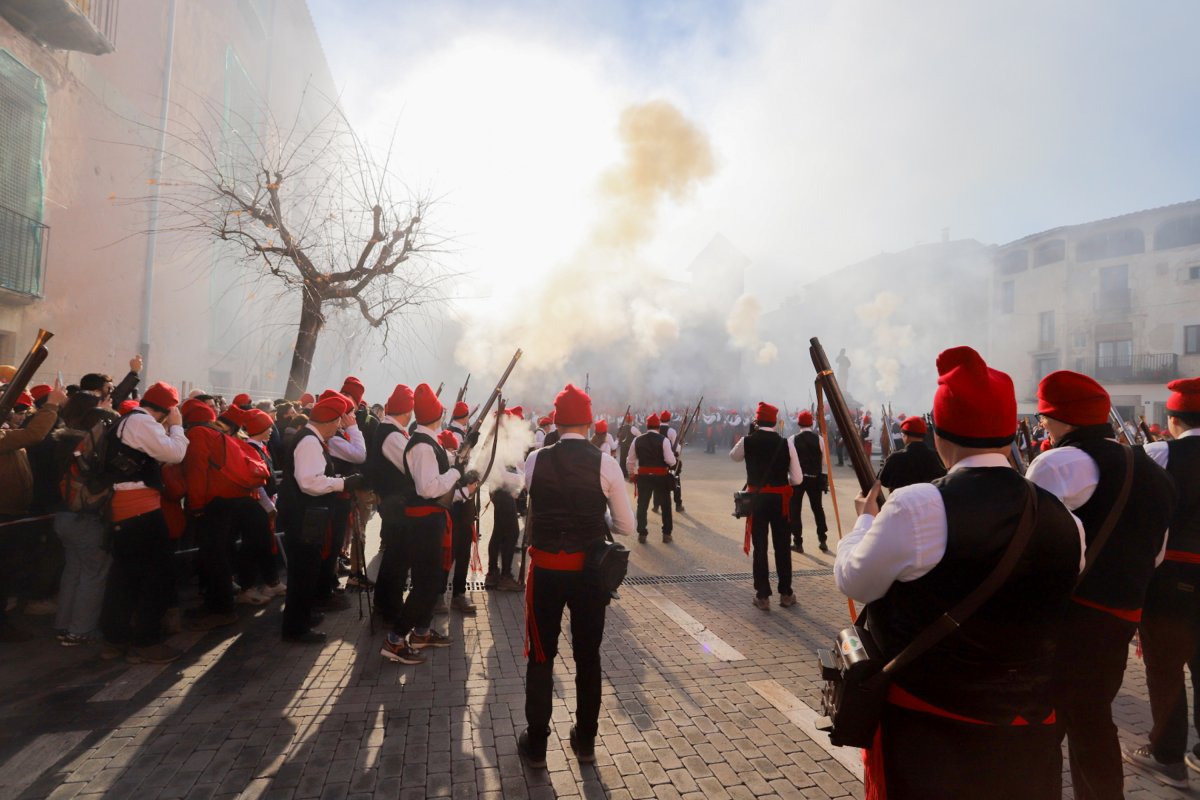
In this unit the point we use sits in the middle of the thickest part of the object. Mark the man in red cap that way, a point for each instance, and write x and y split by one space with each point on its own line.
772 469
139 581
545 426
603 440
348 449
1087 469
256 556
648 465
385 466
463 514
429 484
808 450
1170 626
571 485
914 462
973 715
307 511
626 434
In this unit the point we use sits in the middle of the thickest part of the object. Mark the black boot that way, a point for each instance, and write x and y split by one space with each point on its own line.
532 749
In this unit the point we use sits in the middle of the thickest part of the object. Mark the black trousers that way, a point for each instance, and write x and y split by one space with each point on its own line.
215 537
393 566
1088 670
769 519
254 557
424 535
464 520
927 757
810 487
305 576
1170 631
554 590
505 529
1175 732
657 487
329 565
139 581
14 555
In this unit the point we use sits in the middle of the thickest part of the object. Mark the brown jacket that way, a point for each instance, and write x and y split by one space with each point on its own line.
16 478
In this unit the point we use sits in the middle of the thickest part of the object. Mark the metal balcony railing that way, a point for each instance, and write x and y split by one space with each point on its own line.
1141 368
23 247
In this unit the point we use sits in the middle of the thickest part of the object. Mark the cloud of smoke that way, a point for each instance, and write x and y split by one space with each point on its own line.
515 440
742 326
890 340
598 300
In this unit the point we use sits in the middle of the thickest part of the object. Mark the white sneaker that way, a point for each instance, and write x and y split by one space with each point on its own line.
278 590
251 597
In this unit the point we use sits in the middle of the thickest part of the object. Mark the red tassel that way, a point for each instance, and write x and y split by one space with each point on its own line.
531 631
1137 637
749 524
874 785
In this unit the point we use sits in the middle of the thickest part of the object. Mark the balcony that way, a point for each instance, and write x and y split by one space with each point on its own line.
1143 368
86 26
23 246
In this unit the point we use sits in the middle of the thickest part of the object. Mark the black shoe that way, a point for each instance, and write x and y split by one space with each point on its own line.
678 508
641 538
584 747
533 753
667 538
315 619
798 548
824 548
308 637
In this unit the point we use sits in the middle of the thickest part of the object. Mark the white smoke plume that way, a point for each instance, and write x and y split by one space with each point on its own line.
604 300
516 439
890 341
742 326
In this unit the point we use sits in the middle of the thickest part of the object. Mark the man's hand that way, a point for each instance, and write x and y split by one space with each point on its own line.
57 397
348 421
870 503
469 477
174 417
135 364
352 483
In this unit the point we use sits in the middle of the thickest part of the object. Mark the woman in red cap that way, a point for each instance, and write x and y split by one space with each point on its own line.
1170 626
973 715
1087 469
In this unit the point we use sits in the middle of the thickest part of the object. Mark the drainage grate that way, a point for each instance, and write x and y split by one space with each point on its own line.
714 577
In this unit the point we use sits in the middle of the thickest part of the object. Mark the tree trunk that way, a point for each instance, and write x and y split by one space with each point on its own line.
311 323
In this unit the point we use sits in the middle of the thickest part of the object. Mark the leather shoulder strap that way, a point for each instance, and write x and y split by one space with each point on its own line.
1110 522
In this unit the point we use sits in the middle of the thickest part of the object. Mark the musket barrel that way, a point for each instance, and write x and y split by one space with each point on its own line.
841 415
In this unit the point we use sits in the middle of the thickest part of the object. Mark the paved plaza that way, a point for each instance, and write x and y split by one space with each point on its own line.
704 696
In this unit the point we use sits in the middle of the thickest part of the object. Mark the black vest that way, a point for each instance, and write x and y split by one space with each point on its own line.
408 486
551 437
386 477
565 497
649 449
808 452
997 666
126 464
1122 571
345 467
1183 463
293 501
915 463
767 458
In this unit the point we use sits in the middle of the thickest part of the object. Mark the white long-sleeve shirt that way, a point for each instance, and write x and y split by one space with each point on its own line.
308 465
1158 450
906 540
422 465
393 446
1072 475
352 448
612 483
142 432
795 474
631 462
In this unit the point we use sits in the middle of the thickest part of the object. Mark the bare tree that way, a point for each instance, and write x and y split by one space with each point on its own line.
310 207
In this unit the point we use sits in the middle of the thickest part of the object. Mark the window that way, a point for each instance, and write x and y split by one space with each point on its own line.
22 126
1194 273
1081 339
1111 244
1044 365
1007 297
1012 262
1046 329
1114 354
1177 233
1191 339
1114 288
1050 252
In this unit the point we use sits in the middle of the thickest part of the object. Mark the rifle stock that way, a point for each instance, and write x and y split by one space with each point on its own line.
1145 429
828 384
1030 448
464 450
24 374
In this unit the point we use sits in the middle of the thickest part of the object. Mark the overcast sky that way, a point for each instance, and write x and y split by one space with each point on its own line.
840 129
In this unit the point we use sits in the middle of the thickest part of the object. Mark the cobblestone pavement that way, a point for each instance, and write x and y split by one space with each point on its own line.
704 697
